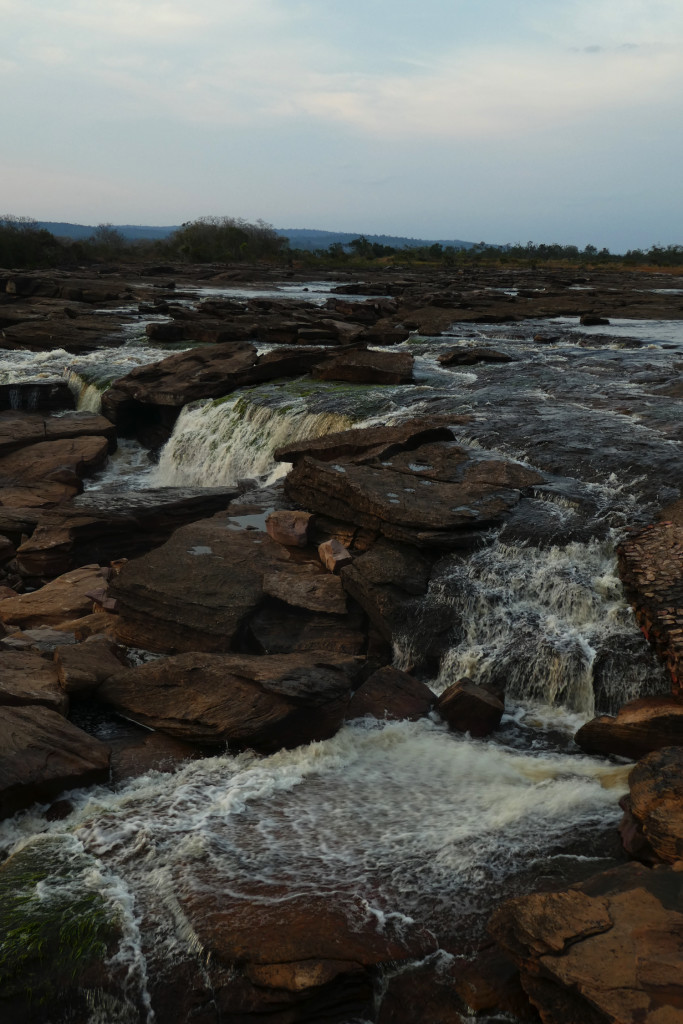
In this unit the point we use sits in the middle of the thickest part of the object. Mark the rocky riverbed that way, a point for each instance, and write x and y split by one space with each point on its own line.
333 617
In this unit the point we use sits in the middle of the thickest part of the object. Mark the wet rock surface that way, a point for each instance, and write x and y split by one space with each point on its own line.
410 543
41 754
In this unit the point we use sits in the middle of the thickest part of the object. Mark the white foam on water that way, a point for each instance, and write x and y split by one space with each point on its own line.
219 443
536 620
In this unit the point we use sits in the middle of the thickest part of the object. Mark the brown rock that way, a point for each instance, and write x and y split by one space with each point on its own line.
435 496
305 586
83 667
470 708
391 694
245 700
194 592
62 599
27 678
19 429
82 455
334 555
371 442
385 581
99 526
422 993
639 727
470 356
363 366
289 528
276 629
606 951
41 754
656 802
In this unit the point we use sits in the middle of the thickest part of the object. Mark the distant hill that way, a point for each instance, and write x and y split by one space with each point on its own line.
309 238
299 238
81 231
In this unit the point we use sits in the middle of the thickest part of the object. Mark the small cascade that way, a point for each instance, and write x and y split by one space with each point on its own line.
88 395
550 626
218 443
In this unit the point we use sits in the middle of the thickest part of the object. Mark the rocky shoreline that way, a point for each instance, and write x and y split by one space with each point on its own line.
267 617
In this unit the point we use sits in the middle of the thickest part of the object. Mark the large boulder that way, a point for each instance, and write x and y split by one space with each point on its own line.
152 396
41 754
470 708
386 582
82 667
638 728
264 702
654 807
66 597
276 628
607 951
391 694
195 591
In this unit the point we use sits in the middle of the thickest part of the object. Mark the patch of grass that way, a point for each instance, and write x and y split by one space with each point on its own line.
52 923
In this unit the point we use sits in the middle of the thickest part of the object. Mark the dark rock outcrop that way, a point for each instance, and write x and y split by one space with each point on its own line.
391 694
41 754
470 708
244 700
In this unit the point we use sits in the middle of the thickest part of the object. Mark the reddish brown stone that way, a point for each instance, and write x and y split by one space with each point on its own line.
470 708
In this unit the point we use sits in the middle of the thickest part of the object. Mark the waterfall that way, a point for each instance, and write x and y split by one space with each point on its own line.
215 444
549 626
88 395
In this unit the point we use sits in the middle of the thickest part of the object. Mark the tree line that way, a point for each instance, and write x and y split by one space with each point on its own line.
25 245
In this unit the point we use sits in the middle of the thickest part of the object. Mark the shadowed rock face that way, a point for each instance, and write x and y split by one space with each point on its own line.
195 591
608 950
42 754
265 702
655 806
367 367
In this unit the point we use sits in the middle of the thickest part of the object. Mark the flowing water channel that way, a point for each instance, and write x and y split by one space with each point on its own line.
423 824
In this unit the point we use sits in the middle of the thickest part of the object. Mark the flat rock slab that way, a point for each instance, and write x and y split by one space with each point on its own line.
434 496
304 586
41 754
18 429
639 727
393 695
244 700
368 442
83 455
364 366
194 592
101 527
28 678
315 957
608 950
61 599
208 372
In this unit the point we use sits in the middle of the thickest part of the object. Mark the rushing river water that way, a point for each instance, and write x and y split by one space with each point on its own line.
420 822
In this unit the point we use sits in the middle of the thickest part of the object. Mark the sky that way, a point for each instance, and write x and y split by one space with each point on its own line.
494 120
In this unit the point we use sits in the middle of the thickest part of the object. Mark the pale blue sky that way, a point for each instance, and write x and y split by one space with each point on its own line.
503 120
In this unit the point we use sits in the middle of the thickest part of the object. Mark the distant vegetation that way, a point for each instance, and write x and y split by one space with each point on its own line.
27 244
